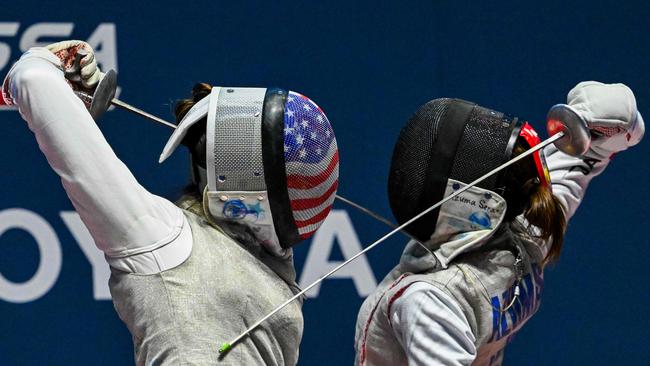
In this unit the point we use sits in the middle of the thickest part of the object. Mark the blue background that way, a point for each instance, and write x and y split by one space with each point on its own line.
369 65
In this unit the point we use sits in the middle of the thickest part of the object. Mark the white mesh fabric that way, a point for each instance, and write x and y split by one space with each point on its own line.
237 140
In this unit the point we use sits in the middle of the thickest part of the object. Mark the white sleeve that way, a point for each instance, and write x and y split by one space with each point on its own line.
570 176
123 218
432 328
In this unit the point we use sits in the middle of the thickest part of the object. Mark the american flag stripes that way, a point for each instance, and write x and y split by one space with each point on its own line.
312 162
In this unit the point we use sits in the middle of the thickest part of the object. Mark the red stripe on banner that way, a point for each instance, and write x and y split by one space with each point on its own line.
307 203
318 218
307 181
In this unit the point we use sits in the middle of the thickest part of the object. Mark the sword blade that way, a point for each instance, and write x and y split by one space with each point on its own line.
374 215
228 346
126 106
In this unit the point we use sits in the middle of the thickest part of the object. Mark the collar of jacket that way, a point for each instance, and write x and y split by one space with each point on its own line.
464 224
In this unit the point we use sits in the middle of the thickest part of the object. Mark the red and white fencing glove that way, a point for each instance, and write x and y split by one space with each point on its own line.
86 71
610 113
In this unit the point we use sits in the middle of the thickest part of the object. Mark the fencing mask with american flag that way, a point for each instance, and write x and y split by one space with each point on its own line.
271 162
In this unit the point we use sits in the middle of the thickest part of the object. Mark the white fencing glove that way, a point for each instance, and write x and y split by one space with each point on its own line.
87 71
610 113
77 61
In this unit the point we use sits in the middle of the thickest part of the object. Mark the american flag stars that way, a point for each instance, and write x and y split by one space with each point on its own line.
312 162
308 134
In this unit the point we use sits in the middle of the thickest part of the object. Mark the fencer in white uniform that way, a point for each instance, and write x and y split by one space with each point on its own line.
178 281
460 301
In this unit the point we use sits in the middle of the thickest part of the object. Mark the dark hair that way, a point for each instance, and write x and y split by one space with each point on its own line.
199 91
195 138
525 194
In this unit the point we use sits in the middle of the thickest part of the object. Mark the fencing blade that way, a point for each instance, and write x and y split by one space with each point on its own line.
228 345
563 128
126 106
379 218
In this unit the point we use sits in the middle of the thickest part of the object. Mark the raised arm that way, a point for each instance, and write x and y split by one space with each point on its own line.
126 221
611 114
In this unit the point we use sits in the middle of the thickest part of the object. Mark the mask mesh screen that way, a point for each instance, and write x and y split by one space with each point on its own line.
312 163
445 138
482 147
411 157
238 140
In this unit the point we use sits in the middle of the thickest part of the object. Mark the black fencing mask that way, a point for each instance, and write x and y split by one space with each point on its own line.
446 139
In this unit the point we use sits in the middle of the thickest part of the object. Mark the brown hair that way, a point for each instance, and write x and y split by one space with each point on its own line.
199 91
195 137
543 211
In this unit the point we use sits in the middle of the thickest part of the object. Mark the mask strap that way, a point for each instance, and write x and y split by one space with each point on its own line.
532 139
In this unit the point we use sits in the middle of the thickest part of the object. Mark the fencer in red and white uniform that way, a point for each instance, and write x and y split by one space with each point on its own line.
479 281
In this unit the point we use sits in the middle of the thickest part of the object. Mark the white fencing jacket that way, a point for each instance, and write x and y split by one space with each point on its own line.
180 285
447 310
